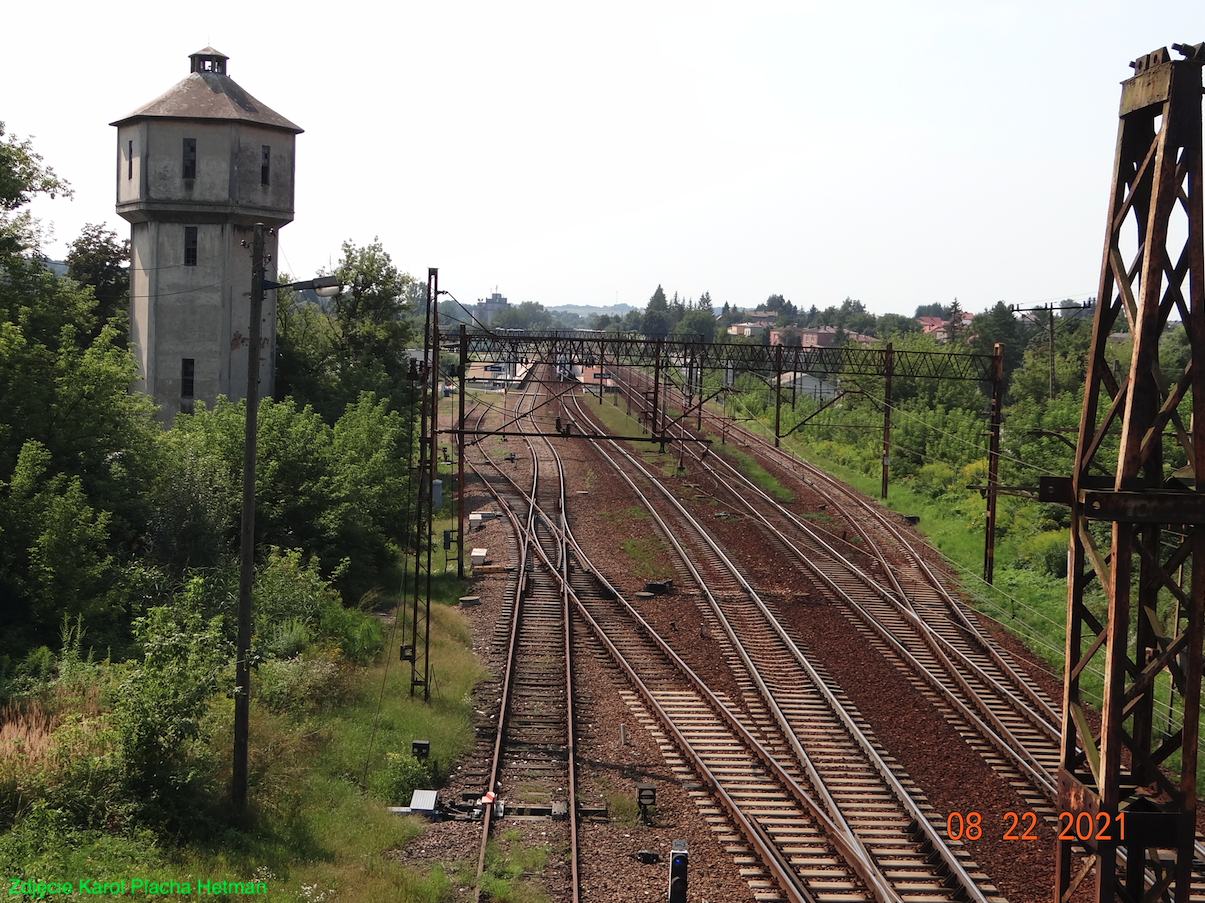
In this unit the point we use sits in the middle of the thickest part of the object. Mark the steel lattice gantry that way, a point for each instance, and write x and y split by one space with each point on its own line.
573 347
1137 564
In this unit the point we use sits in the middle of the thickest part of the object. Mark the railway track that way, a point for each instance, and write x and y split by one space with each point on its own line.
532 760
906 612
909 615
832 823
809 727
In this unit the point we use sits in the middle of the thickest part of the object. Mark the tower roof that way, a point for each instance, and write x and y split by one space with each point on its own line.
209 93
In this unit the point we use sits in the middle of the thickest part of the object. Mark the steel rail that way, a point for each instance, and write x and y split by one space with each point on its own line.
856 734
1041 719
862 864
787 882
939 644
1046 718
986 645
507 689
986 722
940 647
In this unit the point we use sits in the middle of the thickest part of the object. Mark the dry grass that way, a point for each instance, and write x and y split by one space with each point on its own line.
25 732
27 727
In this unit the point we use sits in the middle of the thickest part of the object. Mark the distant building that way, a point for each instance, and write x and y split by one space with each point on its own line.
939 328
817 337
487 308
197 168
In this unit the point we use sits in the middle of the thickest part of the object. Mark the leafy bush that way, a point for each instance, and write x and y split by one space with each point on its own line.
1045 553
293 603
46 844
934 480
297 685
159 709
285 640
401 776
289 587
358 634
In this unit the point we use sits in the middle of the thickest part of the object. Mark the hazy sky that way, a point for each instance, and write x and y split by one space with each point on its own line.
897 153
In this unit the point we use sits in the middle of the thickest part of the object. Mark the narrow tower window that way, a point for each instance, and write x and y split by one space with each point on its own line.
190 158
188 367
130 160
265 160
190 246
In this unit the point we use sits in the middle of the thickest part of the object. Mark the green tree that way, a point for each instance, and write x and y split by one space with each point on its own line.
656 322
698 322
22 176
98 259
77 449
853 316
527 315
889 325
55 559
954 330
785 309
999 325
1031 380
341 494
331 352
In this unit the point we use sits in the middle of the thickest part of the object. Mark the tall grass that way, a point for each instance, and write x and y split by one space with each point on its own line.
317 825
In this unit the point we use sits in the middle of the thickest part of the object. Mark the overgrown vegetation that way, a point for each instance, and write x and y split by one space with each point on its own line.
508 862
121 767
118 589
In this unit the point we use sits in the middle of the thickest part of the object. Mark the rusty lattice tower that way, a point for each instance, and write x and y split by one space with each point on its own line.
1137 577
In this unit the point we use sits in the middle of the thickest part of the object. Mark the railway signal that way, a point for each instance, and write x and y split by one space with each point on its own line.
677 872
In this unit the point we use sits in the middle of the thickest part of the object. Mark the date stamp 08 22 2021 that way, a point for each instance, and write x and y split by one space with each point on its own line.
1072 826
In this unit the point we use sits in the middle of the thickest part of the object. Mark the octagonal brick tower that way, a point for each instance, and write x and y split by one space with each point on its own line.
197 167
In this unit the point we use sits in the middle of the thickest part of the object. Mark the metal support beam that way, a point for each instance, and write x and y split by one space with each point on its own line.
777 393
634 352
1130 536
995 420
460 486
420 670
656 388
889 361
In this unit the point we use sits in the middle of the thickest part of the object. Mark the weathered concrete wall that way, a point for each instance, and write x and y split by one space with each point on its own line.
199 311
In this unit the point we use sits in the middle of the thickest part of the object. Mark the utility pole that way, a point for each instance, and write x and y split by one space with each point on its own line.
888 361
246 568
460 488
1049 310
995 420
